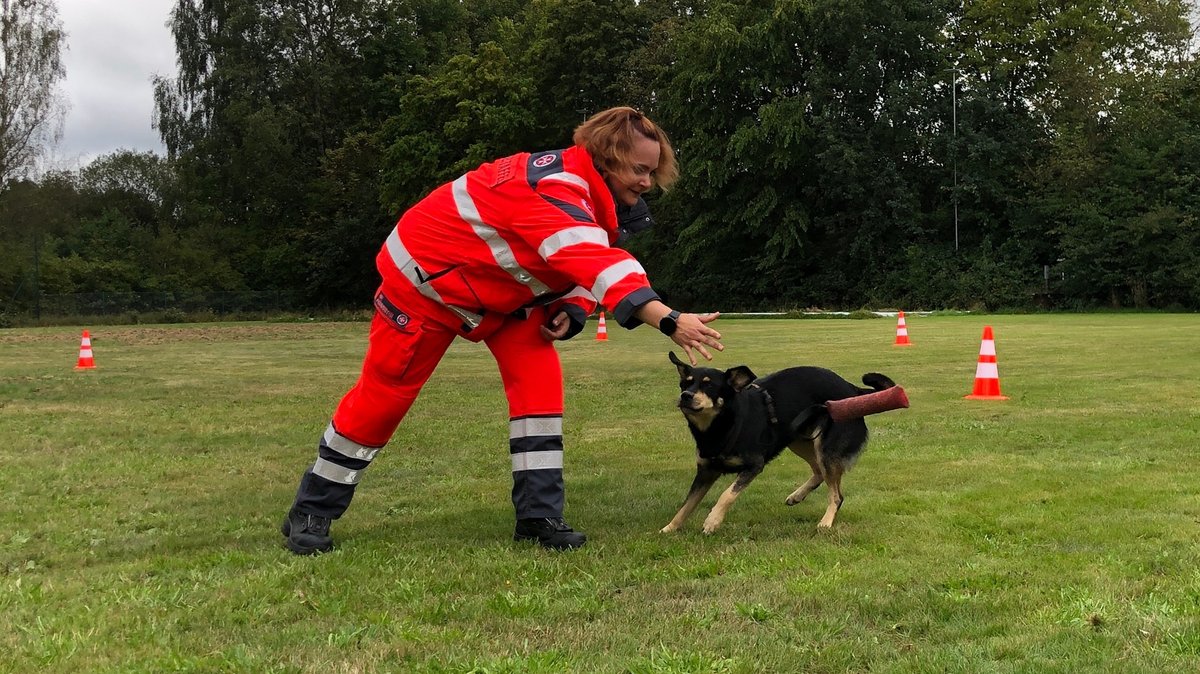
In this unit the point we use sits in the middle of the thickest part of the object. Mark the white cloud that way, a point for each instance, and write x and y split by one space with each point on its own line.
114 49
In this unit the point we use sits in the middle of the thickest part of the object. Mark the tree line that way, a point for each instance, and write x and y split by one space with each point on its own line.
914 153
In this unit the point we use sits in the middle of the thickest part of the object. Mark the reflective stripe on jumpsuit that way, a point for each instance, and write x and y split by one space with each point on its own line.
403 350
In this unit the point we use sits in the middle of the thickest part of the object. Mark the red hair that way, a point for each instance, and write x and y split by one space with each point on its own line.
609 136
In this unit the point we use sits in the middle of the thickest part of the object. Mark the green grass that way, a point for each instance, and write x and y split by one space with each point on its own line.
1053 532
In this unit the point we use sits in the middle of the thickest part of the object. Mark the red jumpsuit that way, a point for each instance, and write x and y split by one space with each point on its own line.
491 257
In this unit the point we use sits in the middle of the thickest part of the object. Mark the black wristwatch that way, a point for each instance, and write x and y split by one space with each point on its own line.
668 324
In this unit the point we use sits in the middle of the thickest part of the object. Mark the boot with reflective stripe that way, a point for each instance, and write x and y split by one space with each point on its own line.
327 487
307 534
549 532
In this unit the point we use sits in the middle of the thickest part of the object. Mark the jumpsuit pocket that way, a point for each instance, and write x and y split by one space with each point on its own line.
452 286
394 315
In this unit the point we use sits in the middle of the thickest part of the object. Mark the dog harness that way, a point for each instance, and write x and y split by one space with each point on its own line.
793 427
751 392
769 400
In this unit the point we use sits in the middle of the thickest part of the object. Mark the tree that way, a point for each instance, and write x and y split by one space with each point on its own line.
547 68
268 92
798 126
31 40
1126 210
140 185
34 216
471 110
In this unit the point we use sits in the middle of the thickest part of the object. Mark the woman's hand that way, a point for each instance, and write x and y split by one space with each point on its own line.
557 327
692 333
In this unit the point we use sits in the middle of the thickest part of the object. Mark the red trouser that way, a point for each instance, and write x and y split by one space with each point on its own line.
401 355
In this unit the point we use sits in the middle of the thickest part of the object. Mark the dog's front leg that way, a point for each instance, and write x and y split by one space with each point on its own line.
717 514
705 477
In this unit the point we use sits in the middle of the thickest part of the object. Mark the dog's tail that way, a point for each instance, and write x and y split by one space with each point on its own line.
877 382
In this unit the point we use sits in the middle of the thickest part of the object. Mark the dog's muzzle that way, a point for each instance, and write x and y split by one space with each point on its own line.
687 403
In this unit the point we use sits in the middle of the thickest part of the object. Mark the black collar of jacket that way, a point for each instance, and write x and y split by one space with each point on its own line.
632 219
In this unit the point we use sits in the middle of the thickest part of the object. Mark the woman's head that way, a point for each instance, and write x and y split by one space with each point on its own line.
632 153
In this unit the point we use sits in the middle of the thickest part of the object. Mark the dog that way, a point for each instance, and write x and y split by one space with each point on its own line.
741 422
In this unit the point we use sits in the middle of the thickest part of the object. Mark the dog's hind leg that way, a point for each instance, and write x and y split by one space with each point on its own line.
833 477
804 449
705 478
717 514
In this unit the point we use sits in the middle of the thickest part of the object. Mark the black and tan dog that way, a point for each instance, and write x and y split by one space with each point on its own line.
741 422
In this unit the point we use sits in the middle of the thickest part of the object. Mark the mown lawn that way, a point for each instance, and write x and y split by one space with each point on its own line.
1053 532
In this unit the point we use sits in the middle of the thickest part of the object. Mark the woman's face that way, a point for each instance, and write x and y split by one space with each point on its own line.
630 182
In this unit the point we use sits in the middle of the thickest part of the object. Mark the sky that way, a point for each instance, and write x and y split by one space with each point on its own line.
114 49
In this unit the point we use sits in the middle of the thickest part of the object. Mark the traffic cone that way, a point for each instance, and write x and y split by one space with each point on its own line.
987 377
901 332
86 361
601 330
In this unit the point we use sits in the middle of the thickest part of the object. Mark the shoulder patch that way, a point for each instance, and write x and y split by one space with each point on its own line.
542 164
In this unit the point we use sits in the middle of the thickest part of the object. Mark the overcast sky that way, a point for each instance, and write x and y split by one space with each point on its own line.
114 49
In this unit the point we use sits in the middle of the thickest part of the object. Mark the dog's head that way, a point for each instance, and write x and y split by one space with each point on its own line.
704 391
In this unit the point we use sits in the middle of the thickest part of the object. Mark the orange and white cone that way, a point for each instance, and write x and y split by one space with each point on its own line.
86 360
987 376
601 330
901 332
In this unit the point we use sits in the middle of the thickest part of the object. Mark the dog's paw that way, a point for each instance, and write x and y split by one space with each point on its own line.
798 496
668 529
710 527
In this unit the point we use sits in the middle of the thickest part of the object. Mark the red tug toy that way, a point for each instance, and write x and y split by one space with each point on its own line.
857 407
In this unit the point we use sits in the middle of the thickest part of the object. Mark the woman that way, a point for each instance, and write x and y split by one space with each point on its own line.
515 254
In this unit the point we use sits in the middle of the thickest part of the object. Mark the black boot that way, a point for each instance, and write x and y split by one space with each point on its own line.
549 532
307 534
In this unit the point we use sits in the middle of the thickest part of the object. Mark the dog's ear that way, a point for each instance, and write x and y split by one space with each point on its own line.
739 377
684 368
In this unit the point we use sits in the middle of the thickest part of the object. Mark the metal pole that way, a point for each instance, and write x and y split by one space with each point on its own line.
954 133
37 278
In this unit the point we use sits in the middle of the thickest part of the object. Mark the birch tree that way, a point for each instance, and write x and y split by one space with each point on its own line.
31 110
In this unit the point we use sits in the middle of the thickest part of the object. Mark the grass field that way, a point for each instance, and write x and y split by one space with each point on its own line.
1053 532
